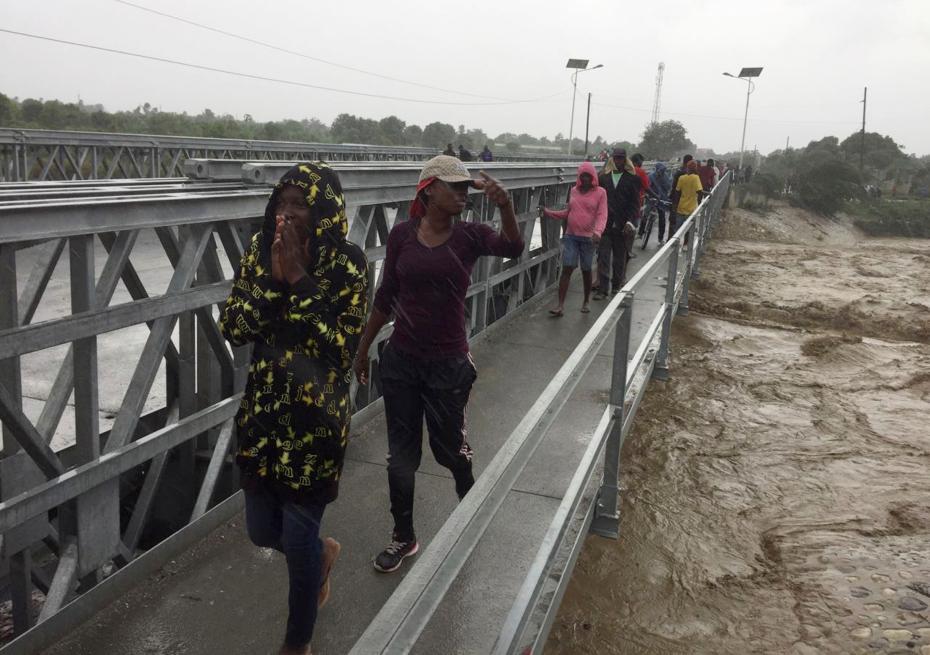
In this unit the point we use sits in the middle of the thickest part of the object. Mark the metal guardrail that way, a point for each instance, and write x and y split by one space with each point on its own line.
65 505
399 624
27 154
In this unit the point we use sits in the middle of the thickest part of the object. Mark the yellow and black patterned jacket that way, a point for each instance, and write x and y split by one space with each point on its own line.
293 422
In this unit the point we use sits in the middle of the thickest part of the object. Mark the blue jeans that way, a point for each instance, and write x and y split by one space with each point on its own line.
577 250
295 531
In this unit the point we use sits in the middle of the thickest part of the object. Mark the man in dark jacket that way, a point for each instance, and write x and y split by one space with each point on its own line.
623 186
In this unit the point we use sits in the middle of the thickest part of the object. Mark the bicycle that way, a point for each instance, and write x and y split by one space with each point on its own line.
651 214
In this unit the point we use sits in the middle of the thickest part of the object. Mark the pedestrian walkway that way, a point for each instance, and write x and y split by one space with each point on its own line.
226 596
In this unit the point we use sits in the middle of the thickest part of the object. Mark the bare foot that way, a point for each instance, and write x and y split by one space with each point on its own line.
331 549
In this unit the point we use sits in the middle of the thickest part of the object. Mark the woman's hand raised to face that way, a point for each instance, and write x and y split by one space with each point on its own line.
493 189
290 252
277 251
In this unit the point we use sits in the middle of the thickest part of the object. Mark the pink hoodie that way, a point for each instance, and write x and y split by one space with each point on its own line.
586 212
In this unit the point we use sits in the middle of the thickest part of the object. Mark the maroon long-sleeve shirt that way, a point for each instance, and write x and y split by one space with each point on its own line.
425 287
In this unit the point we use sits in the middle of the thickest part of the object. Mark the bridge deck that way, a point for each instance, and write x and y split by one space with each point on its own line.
224 595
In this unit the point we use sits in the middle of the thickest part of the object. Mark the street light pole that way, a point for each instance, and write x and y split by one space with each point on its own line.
587 126
745 75
571 127
742 143
580 65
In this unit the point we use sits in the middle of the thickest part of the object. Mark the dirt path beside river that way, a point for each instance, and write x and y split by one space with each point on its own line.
777 488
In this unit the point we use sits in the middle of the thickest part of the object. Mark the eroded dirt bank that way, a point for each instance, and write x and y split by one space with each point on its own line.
778 487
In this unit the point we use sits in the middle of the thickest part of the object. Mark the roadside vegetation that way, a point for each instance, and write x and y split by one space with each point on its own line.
887 194
891 217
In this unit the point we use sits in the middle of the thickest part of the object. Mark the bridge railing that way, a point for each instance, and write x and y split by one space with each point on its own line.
73 519
591 502
41 155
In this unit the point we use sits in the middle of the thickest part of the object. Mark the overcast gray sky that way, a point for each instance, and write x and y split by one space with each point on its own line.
817 54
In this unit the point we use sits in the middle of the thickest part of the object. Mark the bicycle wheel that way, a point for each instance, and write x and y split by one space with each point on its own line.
648 229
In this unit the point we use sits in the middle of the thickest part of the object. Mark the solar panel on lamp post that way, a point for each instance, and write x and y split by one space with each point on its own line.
745 74
579 65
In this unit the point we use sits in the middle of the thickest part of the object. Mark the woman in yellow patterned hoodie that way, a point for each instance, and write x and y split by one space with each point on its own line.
300 298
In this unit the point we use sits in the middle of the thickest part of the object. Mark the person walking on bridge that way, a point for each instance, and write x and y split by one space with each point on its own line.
675 194
688 190
660 185
586 217
643 176
708 174
622 185
426 368
300 299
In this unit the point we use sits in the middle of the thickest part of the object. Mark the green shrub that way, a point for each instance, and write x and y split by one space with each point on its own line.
906 218
826 182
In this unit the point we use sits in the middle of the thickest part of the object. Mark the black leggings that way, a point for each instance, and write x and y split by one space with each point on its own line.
438 389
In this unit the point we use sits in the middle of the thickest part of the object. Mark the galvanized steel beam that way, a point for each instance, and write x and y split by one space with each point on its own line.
42 271
19 428
48 334
74 482
199 213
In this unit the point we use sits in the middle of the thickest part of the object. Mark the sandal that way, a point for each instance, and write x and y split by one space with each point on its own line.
585 309
555 313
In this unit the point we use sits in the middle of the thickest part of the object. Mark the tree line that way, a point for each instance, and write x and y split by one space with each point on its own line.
31 113
663 140
821 175
828 172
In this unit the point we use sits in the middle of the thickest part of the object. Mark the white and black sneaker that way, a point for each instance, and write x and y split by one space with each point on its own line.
390 558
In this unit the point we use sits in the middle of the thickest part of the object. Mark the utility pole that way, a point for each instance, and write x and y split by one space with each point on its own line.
865 92
587 124
571 128
787 142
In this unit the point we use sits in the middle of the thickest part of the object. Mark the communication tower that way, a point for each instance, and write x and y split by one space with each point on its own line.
658 101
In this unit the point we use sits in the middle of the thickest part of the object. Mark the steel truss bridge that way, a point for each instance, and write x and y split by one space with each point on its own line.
111 291
40 155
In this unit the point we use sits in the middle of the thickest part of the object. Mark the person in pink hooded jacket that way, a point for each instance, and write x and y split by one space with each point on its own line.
586 216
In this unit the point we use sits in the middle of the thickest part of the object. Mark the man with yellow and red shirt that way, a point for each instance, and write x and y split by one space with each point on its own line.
637 160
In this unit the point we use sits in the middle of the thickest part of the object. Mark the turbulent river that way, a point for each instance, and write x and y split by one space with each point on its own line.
777 489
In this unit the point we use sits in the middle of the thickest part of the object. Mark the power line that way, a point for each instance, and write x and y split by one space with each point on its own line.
272 79
303 55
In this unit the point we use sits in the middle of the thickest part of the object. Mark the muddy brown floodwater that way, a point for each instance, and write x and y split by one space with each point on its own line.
777 488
